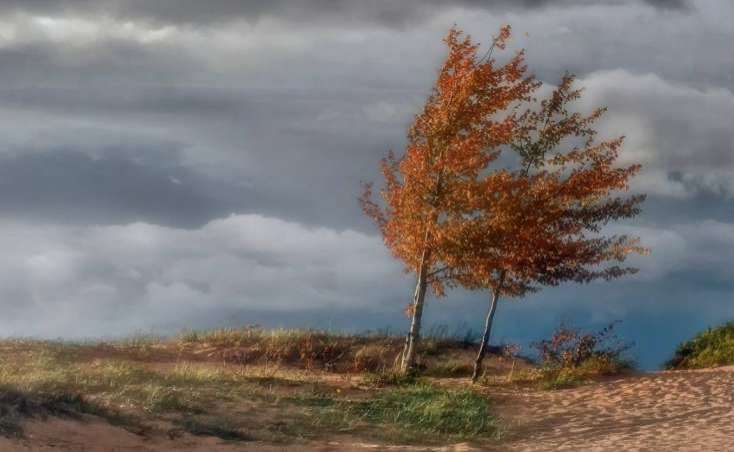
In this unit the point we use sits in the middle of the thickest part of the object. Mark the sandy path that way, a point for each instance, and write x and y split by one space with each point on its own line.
682 410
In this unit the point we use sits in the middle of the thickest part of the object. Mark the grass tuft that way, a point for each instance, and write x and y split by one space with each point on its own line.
426 409
284 385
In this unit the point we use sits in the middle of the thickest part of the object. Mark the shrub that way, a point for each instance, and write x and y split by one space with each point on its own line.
711 348
571 356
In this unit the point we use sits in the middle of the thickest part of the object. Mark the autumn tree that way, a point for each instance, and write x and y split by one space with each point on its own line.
464 123
539 222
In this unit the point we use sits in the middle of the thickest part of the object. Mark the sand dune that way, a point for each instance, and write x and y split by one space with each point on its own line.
680 410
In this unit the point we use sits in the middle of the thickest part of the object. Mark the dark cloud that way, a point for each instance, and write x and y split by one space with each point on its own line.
386 12
67 187
670 4
64 187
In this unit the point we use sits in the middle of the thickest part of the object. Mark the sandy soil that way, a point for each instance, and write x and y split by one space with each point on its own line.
670 411
663 411
57 435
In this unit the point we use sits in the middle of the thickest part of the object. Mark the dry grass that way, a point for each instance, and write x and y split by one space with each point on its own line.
242 385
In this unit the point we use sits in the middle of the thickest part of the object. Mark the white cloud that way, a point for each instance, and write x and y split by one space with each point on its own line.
681 135
117 279
21 29
109 280
705 247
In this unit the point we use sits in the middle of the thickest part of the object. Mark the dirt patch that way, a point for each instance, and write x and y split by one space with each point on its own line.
97 436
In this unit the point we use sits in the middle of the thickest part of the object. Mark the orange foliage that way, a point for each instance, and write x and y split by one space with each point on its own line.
464 122
452 210
540 223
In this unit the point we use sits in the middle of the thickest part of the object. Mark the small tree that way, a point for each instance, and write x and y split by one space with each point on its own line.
540 223
451 142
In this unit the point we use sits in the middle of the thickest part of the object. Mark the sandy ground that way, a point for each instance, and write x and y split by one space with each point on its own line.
73 436
664 411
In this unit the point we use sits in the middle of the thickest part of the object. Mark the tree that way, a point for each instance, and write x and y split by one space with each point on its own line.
539 222
451 142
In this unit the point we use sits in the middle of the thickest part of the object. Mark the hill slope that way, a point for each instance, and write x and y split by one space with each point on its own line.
239 387
287 390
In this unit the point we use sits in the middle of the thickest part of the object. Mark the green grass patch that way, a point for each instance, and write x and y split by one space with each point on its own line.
711 348
563 378
590 369
424 409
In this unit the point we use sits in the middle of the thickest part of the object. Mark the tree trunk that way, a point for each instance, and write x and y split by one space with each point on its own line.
411 341
487 331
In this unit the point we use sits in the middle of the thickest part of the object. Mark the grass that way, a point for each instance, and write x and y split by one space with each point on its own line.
552 379
589 370
16 406
450 368
711 348
388 378
319 349
571 357
287 386
562 377
424 409
414 412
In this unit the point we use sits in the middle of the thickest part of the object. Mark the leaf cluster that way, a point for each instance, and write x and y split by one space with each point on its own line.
499 189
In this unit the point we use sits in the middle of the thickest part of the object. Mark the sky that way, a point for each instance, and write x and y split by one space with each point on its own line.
186 164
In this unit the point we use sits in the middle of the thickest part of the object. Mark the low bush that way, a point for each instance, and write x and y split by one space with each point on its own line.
572 356
711 348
